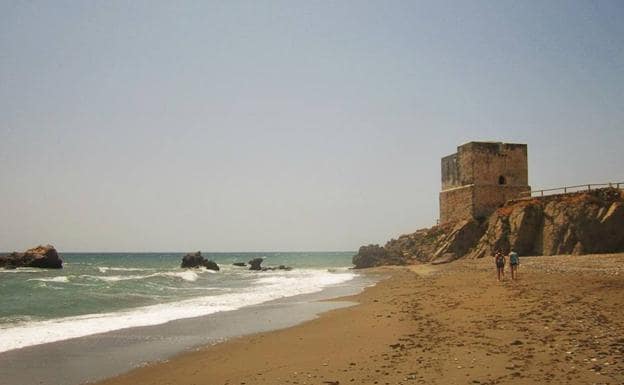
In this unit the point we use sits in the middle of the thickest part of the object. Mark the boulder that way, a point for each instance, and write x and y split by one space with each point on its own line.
255 263
444 258
194 260
44 257
370 256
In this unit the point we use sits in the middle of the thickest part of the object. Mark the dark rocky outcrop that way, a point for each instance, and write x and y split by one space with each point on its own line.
579 223
239 264
439 243
255 263
194 260
280 267
371 256
41 256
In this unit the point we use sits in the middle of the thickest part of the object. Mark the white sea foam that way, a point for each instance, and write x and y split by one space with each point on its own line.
53 279
269 287
104 269
22 270
187 275
114 278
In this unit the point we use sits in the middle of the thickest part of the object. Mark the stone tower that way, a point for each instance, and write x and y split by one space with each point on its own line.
480 177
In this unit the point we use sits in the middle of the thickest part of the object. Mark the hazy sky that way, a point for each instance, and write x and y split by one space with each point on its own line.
312 125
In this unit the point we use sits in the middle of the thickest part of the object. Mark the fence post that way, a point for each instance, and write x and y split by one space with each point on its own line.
565 190
588 187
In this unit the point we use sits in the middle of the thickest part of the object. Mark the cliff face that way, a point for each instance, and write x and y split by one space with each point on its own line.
580 223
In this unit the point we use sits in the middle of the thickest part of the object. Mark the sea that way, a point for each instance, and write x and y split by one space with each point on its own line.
102 292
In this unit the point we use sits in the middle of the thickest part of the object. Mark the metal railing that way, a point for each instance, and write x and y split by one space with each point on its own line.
570 189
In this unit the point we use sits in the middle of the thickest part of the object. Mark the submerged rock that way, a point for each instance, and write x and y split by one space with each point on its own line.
255 264
239 264
280 267
192 260
41 256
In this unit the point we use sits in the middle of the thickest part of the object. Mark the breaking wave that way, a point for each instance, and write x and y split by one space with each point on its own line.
266 288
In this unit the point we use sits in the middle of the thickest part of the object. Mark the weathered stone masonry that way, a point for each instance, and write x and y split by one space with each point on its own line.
480 177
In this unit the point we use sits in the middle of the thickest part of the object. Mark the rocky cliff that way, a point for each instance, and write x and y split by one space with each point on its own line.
579 223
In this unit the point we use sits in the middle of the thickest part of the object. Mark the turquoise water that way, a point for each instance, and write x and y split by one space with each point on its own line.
99 292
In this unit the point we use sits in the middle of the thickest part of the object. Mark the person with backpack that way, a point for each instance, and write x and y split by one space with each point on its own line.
499 258
514 261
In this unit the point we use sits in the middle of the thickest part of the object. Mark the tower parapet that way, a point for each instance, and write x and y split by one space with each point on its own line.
480 177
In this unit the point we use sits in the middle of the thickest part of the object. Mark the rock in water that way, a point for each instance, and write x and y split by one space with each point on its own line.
255 264
191 260
41 256
239 264
211 265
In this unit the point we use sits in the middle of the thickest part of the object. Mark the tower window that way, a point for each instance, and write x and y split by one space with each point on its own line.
502 180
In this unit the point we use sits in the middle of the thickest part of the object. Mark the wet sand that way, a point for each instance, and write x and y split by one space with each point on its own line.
560 323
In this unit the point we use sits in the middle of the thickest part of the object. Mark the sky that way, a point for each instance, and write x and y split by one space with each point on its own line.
287 125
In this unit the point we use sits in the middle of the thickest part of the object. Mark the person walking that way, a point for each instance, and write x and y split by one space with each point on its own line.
514 262
499 259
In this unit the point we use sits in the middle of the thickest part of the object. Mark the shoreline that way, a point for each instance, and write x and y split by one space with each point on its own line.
99 356
560 323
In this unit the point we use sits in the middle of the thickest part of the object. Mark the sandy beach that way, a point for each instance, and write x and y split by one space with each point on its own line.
559 323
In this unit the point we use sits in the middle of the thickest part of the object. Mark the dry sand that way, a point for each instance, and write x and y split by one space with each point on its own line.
560 323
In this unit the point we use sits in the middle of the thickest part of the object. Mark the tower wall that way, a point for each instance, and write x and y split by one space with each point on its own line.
486 199
482 163
480 177
450 172
456 204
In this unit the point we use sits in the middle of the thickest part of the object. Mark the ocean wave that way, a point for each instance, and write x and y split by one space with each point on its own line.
201 288
113 278
17 319
104 269
280 277
264 289
62 279
187 275
22 270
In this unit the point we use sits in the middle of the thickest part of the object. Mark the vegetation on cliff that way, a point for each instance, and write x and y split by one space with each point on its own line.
579 223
